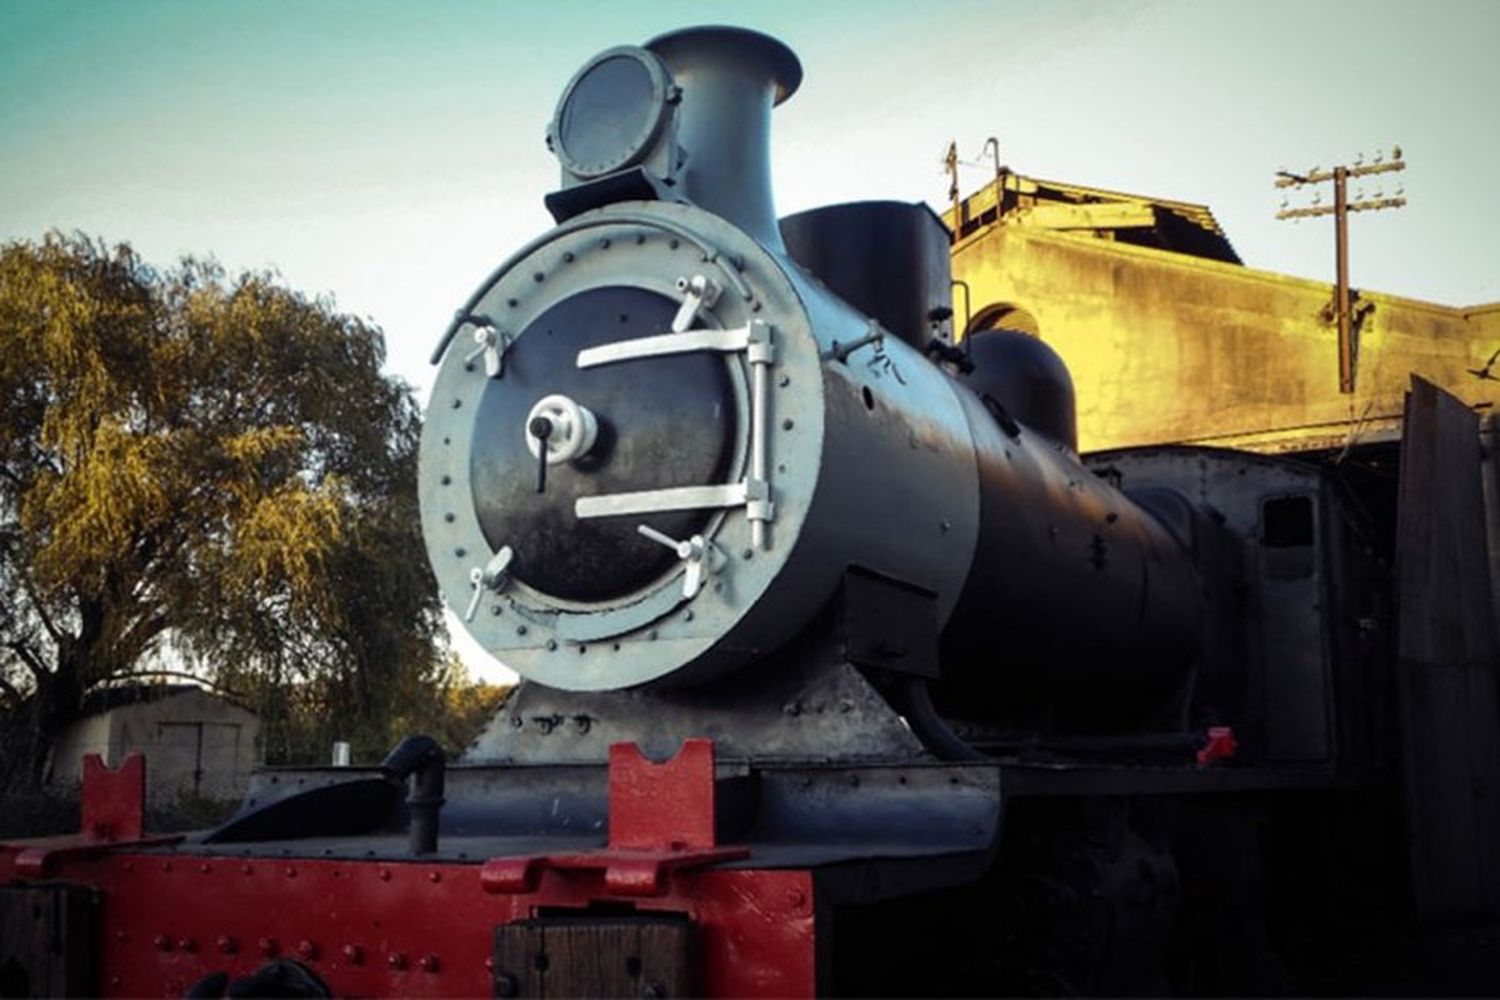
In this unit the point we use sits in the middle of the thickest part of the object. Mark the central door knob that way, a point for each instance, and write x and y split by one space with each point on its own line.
559 430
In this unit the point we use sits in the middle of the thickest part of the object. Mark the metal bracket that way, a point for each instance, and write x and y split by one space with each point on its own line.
840 352
492 576
114 808
493 344
661 819
659 345
757 340
698 292
702 558
660 501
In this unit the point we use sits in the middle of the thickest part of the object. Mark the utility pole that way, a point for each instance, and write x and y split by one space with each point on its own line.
950 164
1340 210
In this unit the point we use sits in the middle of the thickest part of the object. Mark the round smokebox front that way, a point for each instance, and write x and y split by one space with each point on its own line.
551 433
620 451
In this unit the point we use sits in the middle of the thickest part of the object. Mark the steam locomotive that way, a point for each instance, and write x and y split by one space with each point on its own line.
843 672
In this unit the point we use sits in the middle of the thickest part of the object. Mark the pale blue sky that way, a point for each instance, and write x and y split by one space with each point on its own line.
391 153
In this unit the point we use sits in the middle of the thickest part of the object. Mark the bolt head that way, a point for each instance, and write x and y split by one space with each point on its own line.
429 963
396 960
162 943
353 954
267 946
307 949
227 944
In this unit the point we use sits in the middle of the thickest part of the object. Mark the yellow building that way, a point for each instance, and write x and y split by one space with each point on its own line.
1171 339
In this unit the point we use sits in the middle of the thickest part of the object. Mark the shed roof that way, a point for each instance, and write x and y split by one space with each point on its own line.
1143 220
105 699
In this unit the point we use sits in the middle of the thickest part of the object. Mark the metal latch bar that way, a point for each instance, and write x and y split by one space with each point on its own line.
660 501
659 345
756 340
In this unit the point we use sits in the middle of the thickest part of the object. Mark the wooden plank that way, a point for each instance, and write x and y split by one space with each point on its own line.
627 956
1447 662
48 943
1104 215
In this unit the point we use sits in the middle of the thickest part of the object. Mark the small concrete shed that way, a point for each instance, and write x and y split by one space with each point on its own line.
195 742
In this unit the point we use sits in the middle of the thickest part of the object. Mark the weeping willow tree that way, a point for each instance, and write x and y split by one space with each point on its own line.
205 470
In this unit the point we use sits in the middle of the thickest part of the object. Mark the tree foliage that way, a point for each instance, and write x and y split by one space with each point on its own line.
199 467
301 721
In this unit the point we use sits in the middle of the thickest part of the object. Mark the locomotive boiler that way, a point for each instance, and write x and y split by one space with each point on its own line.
659 441
842 671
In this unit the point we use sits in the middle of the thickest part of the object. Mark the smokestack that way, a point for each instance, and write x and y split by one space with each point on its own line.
730 80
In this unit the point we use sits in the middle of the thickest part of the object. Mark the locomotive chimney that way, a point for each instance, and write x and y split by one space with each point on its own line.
730 80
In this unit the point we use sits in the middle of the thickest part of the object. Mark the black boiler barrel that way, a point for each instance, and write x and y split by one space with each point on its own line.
1081 611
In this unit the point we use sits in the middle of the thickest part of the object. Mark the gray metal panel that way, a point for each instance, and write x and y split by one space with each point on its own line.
1448 659
1294 642
1282 666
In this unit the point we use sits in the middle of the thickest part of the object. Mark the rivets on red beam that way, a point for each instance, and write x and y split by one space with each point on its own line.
187 944
227 944
267 946
353 954
162 942
307 949
397 960
435 877
385 874
429 963
205 868
291 871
